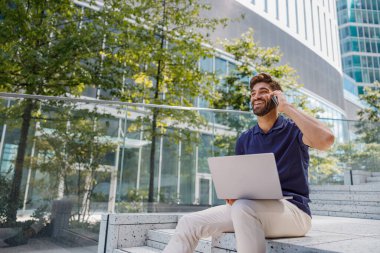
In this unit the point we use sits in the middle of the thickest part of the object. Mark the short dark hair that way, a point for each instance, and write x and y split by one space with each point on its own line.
264 78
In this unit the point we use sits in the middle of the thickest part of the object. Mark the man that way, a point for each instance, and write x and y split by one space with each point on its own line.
254 220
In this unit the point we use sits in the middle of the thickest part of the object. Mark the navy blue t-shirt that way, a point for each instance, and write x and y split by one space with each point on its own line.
284 139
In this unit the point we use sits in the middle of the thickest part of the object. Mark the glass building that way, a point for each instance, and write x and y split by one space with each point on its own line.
359 32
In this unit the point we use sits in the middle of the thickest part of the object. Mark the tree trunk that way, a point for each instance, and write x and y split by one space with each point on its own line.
155 114
152 161
88 187
14 195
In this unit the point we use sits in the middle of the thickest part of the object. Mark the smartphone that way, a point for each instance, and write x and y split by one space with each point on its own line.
275 100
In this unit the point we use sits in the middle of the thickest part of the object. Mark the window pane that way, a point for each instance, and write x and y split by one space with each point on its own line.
220 66
355 46
356 60
206 65
358 76
353 31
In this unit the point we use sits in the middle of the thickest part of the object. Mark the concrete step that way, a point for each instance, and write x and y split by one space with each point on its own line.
362 192
160 238
352 189
346 214
372 183
345 197
344 208
143 249
376 174
226 243
373 179
346 202
356 201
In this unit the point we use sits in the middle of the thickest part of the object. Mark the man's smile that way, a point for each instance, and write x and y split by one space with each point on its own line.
259 102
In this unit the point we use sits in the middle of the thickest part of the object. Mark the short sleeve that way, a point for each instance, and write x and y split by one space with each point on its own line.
300 141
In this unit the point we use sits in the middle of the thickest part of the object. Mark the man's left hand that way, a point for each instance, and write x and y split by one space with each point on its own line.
230 201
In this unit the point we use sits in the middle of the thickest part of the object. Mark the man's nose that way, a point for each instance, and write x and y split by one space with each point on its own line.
257 96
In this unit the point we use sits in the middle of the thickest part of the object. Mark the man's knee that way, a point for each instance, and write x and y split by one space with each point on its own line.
186 223
242 209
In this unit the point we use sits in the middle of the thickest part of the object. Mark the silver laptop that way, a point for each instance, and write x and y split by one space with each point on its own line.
246 177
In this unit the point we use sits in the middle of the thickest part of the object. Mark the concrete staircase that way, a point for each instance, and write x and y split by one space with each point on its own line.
361 177
328 234
356 201
344 232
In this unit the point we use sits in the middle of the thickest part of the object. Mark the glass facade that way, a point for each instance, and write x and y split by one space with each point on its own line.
181 174
359 32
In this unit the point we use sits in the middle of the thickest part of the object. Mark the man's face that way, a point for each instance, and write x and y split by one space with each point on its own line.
261 99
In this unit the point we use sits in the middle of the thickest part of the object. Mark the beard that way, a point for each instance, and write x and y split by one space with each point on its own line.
269 106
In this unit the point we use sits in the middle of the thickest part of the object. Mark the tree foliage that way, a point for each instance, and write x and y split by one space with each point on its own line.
48 48
165 41
369 127
371 98
234 91
364 151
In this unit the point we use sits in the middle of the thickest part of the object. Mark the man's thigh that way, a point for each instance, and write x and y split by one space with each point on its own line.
279 218
211 221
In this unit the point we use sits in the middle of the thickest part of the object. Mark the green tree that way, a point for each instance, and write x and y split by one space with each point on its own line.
364 151
324 168
167 41
369 128
48 48
371 98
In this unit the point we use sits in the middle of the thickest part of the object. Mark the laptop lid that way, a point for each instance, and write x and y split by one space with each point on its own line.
246 176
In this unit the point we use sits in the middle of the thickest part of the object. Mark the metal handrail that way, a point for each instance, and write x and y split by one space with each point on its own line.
113 102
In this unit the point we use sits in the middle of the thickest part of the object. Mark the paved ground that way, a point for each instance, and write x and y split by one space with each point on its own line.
341 235
43 245
46 245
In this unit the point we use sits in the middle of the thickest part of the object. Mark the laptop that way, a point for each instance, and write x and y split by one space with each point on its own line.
246 177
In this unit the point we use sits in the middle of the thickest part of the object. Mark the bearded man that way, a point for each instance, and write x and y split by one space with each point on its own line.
289 138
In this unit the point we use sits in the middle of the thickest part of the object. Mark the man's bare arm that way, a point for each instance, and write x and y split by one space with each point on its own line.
315 133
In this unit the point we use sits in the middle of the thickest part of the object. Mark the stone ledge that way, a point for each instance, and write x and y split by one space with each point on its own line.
139 218
130 230
345 188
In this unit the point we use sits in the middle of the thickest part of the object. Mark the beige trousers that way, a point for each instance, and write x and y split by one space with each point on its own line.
251 220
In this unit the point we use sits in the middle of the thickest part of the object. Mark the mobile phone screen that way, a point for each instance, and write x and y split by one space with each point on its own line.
275 100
